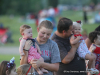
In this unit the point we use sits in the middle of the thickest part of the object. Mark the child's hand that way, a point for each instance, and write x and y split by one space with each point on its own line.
92 48
28 44
79 37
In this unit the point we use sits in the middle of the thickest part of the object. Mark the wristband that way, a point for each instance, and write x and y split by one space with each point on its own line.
25 50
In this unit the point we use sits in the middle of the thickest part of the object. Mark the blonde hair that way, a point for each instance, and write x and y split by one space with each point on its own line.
46 24
77 24
23 27
22 69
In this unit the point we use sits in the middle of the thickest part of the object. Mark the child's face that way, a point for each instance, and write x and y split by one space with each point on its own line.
13 71
97 41
44 34
27 33
76 29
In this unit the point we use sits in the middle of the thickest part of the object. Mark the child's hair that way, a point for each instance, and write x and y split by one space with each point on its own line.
93 35
23 27
4 67
46 24
98 28
77 23
64 24
23 69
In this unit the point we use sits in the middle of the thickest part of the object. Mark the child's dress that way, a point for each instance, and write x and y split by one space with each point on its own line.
82 49
97 53
32 53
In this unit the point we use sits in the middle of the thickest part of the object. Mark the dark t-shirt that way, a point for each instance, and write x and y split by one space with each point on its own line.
76 66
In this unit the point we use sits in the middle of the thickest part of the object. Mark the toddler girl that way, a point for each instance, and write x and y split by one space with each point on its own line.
25 69
8 67
95 47
82 49
34 52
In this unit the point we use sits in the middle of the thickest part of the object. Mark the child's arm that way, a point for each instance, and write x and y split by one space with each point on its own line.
92 48
22 43
74 40
38 49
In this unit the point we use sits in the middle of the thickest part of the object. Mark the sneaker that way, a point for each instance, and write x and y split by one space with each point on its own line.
96 71
93 71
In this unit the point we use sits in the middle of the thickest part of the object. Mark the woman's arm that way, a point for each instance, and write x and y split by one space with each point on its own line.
51 67
24 58
48 66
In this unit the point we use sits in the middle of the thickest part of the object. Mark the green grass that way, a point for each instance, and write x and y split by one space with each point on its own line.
16 22
8 57
14 25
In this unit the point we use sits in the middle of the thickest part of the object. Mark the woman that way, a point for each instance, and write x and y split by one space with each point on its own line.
49 49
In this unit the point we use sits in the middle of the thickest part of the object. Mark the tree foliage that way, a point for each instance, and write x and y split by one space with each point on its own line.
19 6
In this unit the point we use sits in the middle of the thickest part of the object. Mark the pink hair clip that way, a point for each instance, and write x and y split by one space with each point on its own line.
78 21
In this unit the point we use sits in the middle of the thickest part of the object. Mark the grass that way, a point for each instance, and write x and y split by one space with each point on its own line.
15 22
8 57
14 25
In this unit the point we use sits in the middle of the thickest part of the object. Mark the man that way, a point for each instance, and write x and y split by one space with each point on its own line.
71 63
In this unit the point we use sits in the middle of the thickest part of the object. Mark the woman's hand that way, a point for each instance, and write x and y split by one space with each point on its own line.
28 44
36 63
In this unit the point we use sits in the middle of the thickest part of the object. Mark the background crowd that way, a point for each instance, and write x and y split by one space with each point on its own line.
16 13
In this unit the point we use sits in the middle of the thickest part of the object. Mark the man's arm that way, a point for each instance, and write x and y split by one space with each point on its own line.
70 55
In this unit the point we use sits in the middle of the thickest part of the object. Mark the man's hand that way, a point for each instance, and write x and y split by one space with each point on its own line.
75 45
28 44
78 37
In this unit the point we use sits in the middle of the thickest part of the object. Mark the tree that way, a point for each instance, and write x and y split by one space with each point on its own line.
53 3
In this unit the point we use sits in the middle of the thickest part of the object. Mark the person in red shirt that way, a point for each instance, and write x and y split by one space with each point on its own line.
95 47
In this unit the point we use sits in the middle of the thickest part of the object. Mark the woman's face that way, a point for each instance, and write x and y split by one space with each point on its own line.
13 71
44 34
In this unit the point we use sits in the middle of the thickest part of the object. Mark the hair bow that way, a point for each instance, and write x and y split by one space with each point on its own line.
11 63
78 21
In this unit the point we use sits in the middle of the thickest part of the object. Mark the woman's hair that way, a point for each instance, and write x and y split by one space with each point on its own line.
93 35
64 24
23 27
46 24
22 69
77 24
98 28
4 67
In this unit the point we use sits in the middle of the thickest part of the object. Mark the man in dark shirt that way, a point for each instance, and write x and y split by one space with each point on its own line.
71 63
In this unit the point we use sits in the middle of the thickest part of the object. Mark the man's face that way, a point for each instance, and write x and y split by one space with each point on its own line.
69 32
